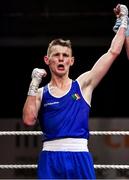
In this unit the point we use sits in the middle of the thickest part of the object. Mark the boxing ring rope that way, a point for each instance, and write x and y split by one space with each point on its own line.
33 166
37 133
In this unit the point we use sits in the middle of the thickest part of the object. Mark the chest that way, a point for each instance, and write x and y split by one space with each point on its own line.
58 92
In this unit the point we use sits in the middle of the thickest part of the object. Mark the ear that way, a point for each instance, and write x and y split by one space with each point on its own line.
72 61
46 60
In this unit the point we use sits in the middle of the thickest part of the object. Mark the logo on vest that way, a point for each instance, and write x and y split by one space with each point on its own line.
76 96
51 103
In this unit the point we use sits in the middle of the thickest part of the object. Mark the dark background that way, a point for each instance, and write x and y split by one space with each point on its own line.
26 28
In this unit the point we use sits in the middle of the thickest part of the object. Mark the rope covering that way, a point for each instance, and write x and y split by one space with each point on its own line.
18 166
33 166
2 133
98 166
37 133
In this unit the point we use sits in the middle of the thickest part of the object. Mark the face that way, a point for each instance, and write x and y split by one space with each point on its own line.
59 60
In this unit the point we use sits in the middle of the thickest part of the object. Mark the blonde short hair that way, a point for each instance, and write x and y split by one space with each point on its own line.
61 42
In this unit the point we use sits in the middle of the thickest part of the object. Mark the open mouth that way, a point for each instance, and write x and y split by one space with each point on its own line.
60 67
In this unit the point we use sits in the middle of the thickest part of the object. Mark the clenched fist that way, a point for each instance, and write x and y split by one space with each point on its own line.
38 73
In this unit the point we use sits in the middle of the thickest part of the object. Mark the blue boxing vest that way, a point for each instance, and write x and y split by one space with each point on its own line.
66 116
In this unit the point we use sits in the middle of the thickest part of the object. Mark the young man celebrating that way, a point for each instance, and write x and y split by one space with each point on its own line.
63 107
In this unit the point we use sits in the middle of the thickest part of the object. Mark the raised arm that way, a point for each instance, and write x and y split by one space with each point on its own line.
89 80
33 100
102 66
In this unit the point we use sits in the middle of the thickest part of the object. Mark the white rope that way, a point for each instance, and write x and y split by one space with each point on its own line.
18 166
2 133
98 166
109 132
33 166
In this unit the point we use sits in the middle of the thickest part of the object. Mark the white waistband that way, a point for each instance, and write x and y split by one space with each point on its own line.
66 144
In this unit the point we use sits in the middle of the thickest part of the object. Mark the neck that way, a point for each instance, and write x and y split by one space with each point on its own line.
60 82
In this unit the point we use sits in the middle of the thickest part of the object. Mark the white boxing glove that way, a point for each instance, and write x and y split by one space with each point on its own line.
37 75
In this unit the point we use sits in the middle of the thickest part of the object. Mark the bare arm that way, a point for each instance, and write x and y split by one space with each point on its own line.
33 100
89 80
127 45
31 108
94 76
102 66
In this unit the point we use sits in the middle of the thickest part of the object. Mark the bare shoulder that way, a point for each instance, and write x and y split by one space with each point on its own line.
84 83
84 79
